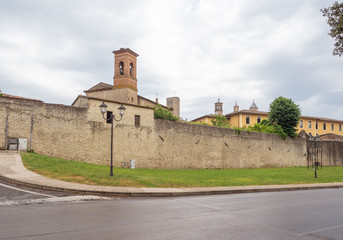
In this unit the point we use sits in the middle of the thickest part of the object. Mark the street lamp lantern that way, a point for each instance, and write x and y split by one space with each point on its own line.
111 117
121 110
103 108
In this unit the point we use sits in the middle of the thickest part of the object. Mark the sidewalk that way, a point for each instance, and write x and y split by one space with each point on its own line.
13 170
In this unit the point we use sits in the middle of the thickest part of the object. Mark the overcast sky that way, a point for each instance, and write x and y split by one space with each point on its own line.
235 50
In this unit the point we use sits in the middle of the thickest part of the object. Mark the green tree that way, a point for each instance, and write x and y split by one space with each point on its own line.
0 93
334 15
284 112
220 121
162 113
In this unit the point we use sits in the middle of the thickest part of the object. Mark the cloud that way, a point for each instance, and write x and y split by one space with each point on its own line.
199 50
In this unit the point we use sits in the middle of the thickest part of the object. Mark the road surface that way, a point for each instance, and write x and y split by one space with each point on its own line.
312 214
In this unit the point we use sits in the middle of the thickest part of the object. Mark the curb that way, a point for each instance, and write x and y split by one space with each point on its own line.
253 189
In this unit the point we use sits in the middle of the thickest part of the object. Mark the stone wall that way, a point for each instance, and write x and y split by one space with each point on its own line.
57 130
198 146
82 134
332 152
75 133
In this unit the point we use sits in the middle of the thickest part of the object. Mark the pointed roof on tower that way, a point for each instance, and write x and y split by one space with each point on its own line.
253 106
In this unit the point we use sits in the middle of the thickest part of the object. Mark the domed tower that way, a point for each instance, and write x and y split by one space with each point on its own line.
236 107
125 78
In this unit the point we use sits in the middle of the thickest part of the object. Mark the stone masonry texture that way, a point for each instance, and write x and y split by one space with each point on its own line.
82 134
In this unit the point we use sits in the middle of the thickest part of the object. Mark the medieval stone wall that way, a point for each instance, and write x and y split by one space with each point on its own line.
197 146
75 133
82 134
332 152
57 130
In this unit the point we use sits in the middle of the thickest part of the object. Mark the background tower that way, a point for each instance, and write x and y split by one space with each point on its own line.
174 104
236 107
218 108
253 106
125 75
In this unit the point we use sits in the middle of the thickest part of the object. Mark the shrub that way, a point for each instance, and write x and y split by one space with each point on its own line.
220 121
266 127
162 113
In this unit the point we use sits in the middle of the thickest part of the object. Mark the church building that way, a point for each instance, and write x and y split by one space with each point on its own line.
124 88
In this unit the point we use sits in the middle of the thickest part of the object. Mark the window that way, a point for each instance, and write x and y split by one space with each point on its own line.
316 125
324 126
247 120
301 124
137 120
309 124
332 127
340 127
121 68
258 119
131 68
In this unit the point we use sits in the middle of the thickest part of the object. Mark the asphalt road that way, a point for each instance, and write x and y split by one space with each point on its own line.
314 214
17 193
12 194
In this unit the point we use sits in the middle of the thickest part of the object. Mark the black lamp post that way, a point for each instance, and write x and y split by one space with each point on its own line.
315 152
110 118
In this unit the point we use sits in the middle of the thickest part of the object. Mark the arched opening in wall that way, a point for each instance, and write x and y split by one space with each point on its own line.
131 69
121 68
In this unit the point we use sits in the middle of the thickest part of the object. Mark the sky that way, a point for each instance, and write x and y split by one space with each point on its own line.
200 51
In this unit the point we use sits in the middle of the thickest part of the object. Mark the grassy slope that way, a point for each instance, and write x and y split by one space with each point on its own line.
92 174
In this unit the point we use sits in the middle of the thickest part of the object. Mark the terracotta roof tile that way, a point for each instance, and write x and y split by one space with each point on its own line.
99 87
20 98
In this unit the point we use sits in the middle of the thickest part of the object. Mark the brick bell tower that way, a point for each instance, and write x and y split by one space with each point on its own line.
125 78
218 108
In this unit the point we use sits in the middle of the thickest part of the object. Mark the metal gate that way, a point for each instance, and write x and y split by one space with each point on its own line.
315 158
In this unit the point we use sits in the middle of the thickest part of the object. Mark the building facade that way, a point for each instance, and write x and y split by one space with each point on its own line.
248 117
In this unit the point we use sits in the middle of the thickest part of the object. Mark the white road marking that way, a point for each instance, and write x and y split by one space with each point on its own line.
321 230
74 199
18 189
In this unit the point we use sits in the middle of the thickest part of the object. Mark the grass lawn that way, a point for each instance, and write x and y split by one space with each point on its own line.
93 174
